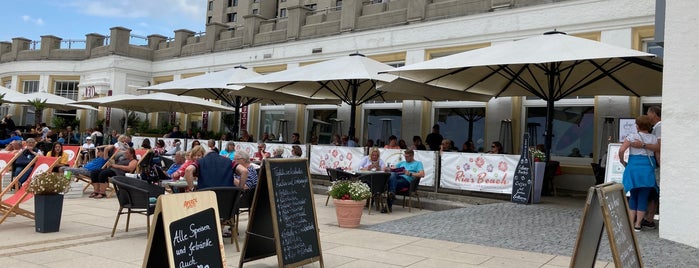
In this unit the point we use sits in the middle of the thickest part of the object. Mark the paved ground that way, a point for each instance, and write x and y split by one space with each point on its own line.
474 236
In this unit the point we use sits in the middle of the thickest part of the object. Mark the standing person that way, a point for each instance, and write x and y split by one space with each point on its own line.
654 114
295 138
434 139
8 123
639 175
496 148
411 170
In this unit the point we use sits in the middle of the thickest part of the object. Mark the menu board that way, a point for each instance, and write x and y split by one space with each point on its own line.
522 180
283 216
186 232
611 216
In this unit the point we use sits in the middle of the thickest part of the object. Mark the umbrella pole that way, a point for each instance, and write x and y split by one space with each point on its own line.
236 124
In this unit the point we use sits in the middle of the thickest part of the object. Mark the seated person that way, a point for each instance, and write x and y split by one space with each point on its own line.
245 172
412 169
85 148
278 152
261 154
94 166
229 150
212 145
212 170
176 146
160 147
194 155
372 161
23 160
179 161
12 147
14 136
57 151
392 143
125 163
447 146
296 151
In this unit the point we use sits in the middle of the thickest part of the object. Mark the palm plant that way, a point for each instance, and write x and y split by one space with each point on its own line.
39 106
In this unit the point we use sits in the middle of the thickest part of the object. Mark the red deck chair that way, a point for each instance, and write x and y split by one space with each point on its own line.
73 152
10 206
6 160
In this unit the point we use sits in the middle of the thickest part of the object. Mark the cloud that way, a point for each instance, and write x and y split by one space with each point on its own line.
29 19
181 9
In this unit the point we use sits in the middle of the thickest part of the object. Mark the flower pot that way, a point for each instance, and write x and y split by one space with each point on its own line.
349 212
47 212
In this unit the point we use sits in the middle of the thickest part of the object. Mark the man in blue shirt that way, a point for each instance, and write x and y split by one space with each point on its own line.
95 165
408 170
14 136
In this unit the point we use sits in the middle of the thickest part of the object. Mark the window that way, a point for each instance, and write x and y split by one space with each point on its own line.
322 123
382 123
67 89
208 20
338 4
211 5
232 17
30 86
312 6
573 129
230 3
255 11
282 13
235 3
650 46
459 124
269 120
255 1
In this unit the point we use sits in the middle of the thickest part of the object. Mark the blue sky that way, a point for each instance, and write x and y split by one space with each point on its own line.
72 19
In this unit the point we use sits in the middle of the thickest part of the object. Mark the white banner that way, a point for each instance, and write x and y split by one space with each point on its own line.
478 172
287 149
428 159
203 143
323 157
614 170
248 147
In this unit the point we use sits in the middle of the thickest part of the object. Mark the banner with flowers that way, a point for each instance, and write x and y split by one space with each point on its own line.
248 147
428 159
478 172
323 157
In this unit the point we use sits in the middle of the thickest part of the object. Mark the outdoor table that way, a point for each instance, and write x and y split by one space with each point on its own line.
177 186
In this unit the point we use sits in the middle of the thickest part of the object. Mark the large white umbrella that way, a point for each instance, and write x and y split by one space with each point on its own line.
351 79
11 96
155 102
550 66
52 101
218 85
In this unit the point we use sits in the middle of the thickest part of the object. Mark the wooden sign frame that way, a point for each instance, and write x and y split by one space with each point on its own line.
263 237
173 209
612 216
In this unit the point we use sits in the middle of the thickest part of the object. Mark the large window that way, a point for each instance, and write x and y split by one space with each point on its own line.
460 124
382 123
282 13
232 17
269 120
30 86
67 89
573 129
322 124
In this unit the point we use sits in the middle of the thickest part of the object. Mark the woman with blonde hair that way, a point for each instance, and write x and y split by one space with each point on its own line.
372 161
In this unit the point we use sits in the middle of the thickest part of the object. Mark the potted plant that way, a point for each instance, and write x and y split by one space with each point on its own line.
349 198
48 189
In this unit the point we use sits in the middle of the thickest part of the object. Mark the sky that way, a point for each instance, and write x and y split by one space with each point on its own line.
73 19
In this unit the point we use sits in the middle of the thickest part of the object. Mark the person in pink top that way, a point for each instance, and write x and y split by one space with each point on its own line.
192 156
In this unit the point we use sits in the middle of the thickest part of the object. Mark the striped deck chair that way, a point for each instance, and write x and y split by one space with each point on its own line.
87 179
6 160
10 206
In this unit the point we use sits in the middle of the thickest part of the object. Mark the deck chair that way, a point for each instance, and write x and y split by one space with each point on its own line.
6 160
73 152
145 159
88 180
10 206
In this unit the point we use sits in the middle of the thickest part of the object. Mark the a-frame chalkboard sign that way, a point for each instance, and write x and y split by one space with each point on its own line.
522 180
606 209
283 216
186 232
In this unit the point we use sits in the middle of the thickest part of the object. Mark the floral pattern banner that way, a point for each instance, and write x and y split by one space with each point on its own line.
478 172
323 157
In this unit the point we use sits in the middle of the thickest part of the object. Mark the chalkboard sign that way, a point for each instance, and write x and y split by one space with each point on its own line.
186 232
283 218
613 217
522 180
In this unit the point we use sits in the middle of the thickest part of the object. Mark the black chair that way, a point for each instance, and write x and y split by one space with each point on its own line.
336 175
599 173
549 188
134 196
409 192
243 205
378 184
227 198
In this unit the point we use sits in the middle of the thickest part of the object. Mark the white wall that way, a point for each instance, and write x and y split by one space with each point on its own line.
680 173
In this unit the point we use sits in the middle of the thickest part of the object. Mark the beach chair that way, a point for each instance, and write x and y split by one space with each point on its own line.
10 206
73 152
88 181
6 160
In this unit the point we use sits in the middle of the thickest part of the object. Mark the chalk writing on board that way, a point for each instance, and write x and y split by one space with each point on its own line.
294 211
621 229
522 181
194 239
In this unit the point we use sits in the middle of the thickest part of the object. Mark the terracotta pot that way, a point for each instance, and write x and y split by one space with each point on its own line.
349 212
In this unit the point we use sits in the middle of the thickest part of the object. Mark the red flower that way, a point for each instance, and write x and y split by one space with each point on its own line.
480 161
502 166
346 197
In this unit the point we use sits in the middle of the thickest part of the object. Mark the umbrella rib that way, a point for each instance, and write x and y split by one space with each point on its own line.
447 74
611 76
324 85
500 68
516 79
648 64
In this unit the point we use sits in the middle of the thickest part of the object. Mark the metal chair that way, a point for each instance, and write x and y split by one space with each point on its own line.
378 184
134 196
409 192
599 173
227 198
